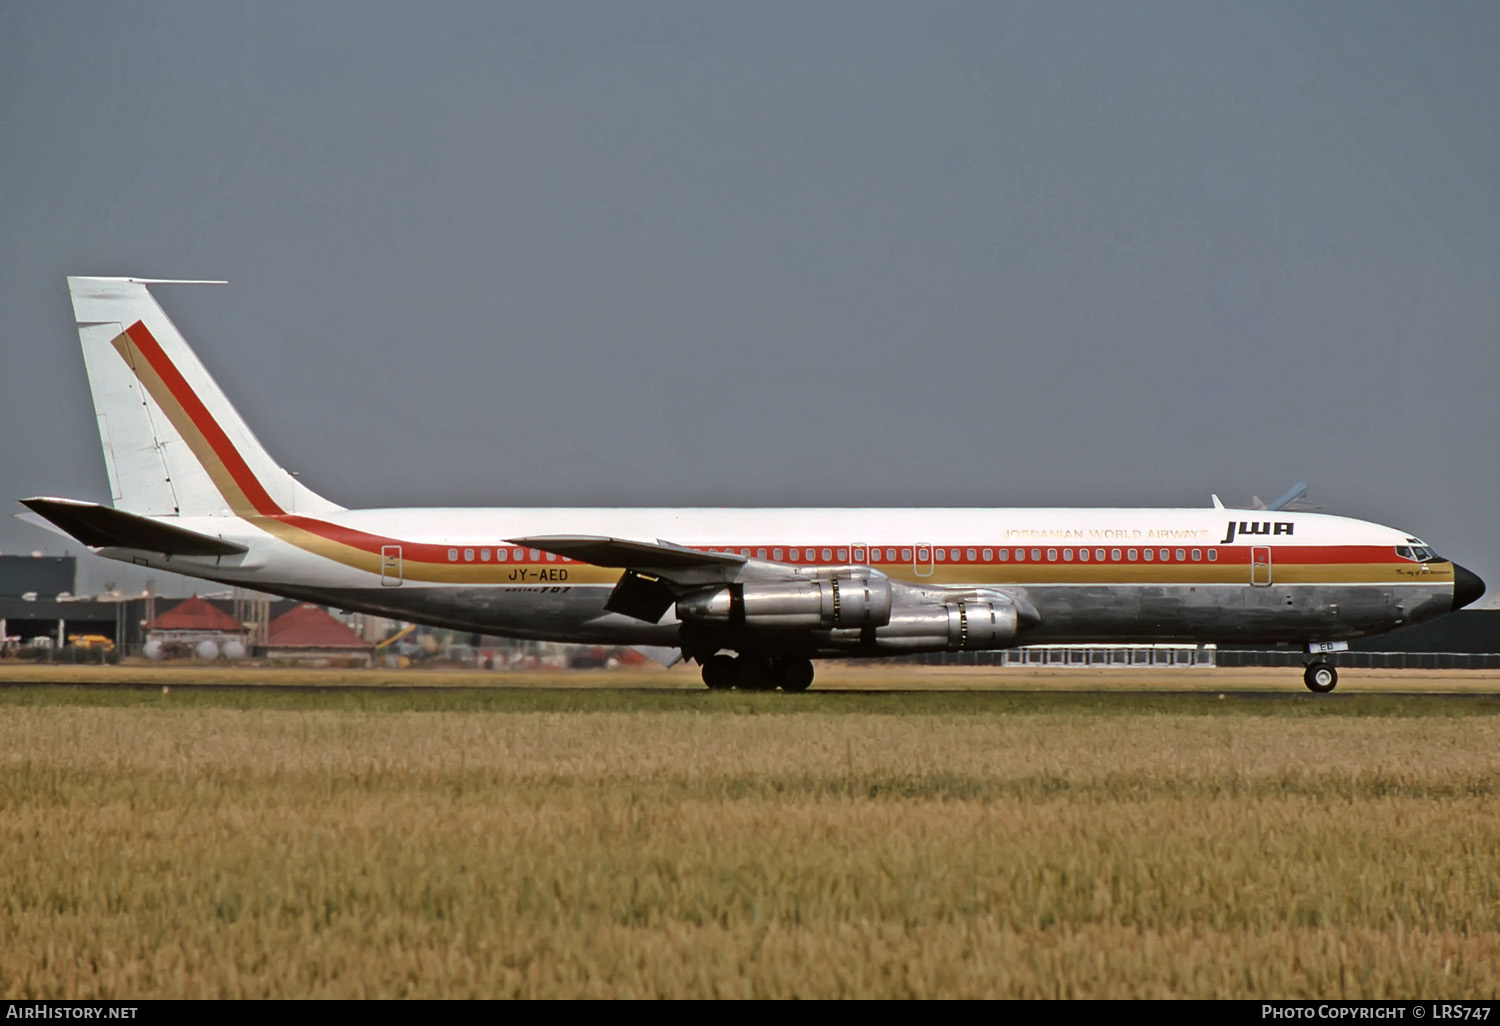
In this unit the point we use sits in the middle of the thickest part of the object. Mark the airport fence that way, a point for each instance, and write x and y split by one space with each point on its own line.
1188 656
1365 660
68 655
1081 656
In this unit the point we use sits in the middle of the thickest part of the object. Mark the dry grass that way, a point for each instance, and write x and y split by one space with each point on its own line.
161 852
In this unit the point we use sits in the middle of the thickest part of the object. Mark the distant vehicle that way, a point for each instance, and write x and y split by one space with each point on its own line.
90 641
591 658
753 595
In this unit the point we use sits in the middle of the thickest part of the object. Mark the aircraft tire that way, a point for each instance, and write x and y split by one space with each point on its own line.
720 672
1320 677
796 675
753 674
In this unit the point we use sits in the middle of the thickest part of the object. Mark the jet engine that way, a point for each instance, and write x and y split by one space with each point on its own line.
950 626
831 604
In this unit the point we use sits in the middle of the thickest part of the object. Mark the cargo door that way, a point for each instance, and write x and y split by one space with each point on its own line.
1260 566
390 566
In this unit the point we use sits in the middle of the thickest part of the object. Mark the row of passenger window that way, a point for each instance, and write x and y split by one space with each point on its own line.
1101 556
890 555
504 555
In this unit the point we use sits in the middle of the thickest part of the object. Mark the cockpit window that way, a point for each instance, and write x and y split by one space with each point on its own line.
1418 553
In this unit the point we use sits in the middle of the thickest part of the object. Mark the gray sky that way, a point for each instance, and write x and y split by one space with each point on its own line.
780 254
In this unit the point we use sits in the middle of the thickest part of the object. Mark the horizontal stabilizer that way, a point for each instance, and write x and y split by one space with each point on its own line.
617 552
102 527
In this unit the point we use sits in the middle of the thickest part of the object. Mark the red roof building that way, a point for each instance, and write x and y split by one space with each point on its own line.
308 632
195 627
197 615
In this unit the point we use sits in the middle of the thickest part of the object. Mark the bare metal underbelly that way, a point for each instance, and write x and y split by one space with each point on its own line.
1231 613
1070 614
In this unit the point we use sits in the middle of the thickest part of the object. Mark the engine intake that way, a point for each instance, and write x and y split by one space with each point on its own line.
840 602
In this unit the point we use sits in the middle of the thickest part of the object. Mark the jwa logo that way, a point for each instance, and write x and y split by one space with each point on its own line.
1258 527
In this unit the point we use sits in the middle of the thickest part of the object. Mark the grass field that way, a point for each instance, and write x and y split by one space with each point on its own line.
647 842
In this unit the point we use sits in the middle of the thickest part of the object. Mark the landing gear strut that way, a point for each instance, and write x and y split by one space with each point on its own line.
753 673
1320 676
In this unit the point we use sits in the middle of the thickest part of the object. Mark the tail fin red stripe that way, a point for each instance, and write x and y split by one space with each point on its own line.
200 417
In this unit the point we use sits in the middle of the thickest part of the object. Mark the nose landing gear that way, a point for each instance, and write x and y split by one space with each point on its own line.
1320 676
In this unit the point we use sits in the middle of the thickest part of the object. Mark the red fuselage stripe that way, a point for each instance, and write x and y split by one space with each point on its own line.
437 552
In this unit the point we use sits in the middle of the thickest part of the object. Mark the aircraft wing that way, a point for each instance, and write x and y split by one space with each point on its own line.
656 573
101 527
618 552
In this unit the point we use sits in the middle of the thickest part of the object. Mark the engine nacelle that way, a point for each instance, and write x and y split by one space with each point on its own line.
949 627
840 602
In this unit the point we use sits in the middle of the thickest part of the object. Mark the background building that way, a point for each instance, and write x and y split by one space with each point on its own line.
307 634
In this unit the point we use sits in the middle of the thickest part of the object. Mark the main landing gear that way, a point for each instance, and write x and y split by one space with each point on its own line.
756 673
1320 676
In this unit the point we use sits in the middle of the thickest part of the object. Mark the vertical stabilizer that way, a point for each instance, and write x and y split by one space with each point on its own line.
173 444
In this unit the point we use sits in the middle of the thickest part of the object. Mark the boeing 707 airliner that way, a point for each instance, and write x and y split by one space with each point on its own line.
752 595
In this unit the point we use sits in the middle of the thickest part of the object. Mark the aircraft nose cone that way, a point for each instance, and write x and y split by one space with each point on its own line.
1467 586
